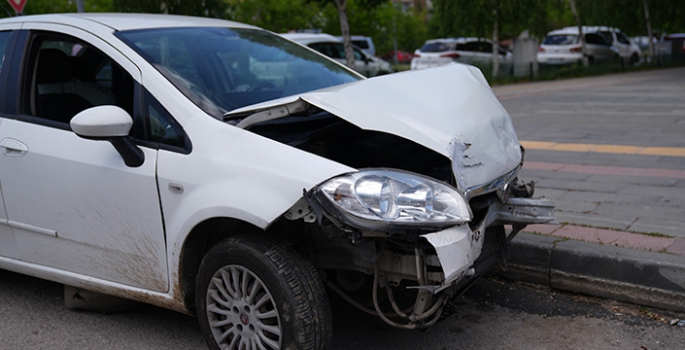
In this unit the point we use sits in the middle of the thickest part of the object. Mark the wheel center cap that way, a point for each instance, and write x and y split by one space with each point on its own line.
244 319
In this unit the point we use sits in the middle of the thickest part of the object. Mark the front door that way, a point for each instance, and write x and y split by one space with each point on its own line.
72 203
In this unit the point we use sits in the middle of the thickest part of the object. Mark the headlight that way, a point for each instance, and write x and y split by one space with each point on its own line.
398 197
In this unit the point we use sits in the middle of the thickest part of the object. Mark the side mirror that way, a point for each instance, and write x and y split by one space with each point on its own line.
109 123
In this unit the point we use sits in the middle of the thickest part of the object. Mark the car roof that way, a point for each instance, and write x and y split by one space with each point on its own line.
674 36
455 40
308 38
126 21
356 37
586 29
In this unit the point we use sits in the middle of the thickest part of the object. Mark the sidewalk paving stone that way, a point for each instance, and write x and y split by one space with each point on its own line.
638 211
673 245
668 227
635 180
594 197
581 185
673 192
593 220
678 247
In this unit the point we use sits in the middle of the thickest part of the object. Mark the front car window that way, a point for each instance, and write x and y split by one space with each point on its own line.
485 47
622 38
222 69
609 37
597 38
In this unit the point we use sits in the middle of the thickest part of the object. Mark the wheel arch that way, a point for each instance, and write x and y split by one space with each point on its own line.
198 242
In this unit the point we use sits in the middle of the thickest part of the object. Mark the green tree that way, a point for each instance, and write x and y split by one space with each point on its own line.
384 22
36 7
276 15
205 8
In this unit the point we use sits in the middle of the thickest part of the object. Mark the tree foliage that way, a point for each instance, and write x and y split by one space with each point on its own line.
667 16
35 7
475 17
385 22
205 8
276 15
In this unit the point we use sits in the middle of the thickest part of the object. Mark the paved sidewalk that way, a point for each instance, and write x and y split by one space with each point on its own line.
610 151
616 238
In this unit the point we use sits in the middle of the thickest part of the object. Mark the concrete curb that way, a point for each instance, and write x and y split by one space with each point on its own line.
640 277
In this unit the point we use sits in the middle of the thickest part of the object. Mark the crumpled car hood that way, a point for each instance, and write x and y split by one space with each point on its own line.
450 110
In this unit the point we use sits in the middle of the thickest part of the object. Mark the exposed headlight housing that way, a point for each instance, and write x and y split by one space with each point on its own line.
381 198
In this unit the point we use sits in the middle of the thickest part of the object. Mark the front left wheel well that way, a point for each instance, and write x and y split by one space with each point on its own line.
200 240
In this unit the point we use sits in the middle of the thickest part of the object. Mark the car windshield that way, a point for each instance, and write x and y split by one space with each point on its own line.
435 47
221 69
567 39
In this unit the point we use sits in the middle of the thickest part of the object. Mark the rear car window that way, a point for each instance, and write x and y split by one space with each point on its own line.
597 38
435 47
566 39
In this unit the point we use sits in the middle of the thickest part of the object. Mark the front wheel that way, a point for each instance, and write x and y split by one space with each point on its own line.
634 59
255 293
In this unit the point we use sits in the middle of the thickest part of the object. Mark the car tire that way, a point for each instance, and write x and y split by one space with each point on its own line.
253 293
634 60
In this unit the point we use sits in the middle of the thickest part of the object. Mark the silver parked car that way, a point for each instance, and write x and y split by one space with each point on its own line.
332 47
629 51
473 51
563 47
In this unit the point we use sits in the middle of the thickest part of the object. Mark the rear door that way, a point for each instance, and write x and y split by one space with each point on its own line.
8 244
72 203
599 47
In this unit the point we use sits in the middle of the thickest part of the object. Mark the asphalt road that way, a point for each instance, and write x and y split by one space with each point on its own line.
645 109
493 315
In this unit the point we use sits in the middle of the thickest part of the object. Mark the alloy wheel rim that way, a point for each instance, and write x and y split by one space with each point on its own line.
241 311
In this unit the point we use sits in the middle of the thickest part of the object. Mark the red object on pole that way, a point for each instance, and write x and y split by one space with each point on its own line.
17 5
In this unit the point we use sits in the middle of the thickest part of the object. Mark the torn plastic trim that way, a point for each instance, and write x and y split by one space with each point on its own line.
500 184
459 247
522 211
275 112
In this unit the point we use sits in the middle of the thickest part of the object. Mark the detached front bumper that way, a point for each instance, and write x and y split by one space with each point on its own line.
458 248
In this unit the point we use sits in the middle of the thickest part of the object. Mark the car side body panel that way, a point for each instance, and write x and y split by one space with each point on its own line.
255 184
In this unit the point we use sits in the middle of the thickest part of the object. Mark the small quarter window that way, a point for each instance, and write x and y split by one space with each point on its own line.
161 126
4 39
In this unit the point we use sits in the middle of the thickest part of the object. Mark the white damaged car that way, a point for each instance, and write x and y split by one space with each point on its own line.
219 170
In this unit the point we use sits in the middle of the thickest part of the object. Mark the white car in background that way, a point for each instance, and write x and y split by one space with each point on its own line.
629 51
328 45
220 170
365 43
563 47
473 51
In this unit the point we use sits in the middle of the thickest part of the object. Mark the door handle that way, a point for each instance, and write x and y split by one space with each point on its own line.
13 148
